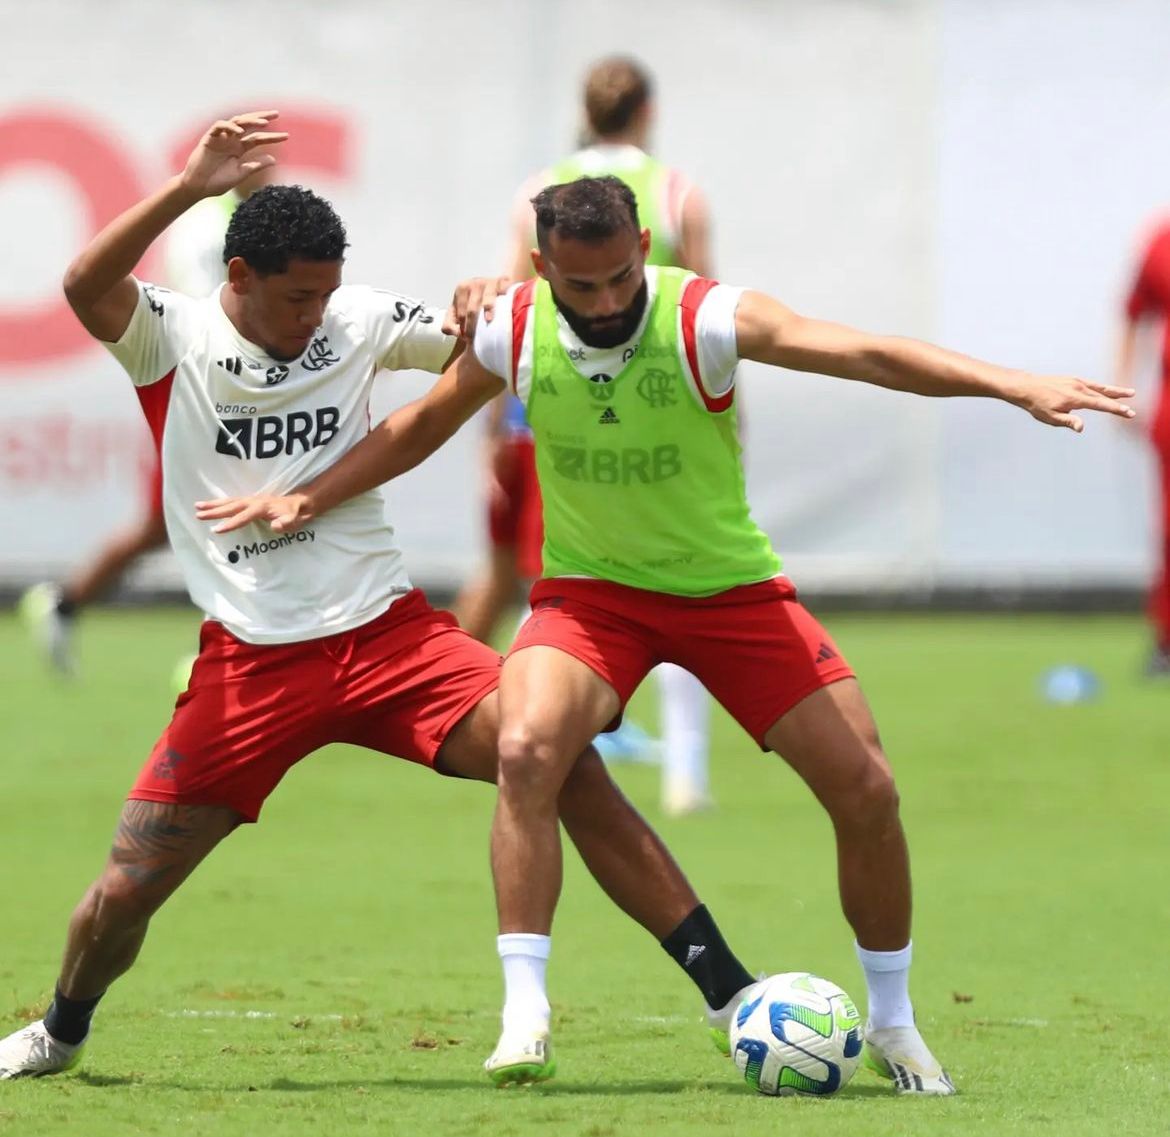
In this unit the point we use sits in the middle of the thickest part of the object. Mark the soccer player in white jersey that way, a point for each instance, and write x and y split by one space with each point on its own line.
311 637
627 374
194 265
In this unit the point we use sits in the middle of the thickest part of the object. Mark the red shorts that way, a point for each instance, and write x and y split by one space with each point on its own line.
515 519
755 648
398 685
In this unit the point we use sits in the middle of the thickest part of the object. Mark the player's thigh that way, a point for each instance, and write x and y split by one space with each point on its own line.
157 845
756 649
471 747
249 713
831 740
552 704
420 688
573 666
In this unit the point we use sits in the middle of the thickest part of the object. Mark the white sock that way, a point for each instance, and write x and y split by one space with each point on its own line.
887 976
525 958
686 727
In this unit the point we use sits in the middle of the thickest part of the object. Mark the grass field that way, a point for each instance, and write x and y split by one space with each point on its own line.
332 970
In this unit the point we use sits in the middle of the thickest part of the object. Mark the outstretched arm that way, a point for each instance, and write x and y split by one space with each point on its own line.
397 444
98 284
768 332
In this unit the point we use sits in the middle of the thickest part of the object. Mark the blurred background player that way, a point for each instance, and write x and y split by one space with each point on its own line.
193 265
1149 301
619 117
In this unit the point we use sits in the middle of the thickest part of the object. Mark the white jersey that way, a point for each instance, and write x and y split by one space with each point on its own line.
229 420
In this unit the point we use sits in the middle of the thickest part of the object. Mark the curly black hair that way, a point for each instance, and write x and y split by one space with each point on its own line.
589 209
282 223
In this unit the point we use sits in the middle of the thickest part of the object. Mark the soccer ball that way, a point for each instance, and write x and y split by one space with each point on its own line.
796 1034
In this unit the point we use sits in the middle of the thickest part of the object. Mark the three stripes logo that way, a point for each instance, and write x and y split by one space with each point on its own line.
825 654
233 365
909 1081
608 416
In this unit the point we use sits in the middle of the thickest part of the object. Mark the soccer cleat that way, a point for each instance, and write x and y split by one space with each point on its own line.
719 1021
898 1052
52 631
521 1059
33 1052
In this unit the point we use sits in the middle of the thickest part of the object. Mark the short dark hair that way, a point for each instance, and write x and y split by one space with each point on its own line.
589 209
278 224
616 88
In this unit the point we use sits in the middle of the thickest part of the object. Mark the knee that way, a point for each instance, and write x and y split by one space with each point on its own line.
117 899
530 765
869 800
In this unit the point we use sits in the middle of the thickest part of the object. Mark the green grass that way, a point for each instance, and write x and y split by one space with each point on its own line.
332 970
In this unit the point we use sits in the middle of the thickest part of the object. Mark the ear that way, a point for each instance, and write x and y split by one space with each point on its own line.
538 263
239 275
644 241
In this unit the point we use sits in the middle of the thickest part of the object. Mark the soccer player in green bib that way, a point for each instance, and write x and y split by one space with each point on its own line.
651 553
618 105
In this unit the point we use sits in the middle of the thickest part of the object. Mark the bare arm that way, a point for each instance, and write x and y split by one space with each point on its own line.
768 332
397 444
98 284
694 250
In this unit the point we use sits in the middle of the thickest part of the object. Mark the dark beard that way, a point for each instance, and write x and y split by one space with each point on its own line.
608 335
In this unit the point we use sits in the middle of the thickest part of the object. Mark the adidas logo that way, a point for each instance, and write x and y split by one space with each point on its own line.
825 654
607 416
693 953
234 365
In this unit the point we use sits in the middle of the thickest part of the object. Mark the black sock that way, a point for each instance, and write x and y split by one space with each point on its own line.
698 947
66 609
67 1020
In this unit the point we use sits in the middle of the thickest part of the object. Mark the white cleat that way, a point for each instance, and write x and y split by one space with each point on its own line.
719 1021
520 1059
898 1052
33 1052
52 631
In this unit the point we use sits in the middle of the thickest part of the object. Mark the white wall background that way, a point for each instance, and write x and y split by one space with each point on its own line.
970 170
1053 119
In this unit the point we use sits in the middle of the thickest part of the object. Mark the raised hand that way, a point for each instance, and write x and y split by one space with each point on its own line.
471 297
1053 398
284 513
228 152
